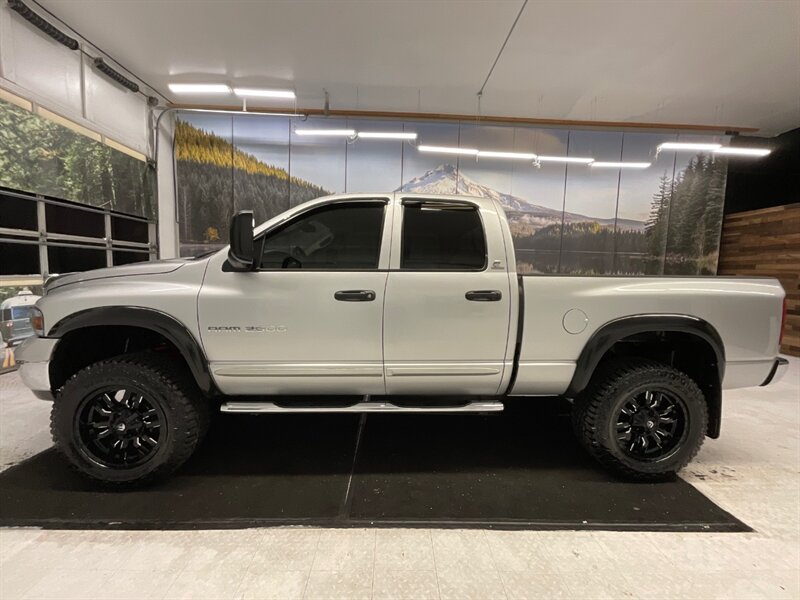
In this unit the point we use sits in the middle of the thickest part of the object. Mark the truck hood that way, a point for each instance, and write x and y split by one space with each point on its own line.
157 267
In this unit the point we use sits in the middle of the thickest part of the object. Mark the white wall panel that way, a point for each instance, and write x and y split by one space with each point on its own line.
118 110
40 64
45 71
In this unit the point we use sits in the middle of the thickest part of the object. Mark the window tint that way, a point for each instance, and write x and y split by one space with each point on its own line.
445 238
339 236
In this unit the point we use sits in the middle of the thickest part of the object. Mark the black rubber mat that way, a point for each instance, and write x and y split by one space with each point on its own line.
519 469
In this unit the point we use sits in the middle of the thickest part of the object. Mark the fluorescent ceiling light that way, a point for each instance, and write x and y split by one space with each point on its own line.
387 135
621 165
740 151
688 146
199 88
328 132
512 155
260 93
448 150
566 159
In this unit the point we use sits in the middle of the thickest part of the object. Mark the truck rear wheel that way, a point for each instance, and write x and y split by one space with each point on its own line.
642 419
129 420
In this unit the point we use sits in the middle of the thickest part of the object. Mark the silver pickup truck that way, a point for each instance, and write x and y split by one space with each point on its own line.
356 300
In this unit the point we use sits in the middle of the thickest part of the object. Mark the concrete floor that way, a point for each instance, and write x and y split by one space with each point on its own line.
753 471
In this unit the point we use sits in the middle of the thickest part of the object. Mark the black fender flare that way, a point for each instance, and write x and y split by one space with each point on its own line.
145 318
610 333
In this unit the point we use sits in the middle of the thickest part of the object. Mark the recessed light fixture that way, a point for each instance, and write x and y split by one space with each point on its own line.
511 155
566 159
387 135
741 151
199 88
261 93
448 150
687 146
327 132
621 165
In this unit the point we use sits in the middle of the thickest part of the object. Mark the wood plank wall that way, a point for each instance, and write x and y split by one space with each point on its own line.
767 242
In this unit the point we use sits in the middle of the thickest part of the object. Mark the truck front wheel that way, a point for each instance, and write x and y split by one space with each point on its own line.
642 419
129 420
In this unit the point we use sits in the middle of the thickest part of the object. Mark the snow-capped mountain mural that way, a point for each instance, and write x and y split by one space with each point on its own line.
445 179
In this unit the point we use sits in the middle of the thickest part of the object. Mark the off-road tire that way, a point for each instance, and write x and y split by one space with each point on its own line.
167 382
594 415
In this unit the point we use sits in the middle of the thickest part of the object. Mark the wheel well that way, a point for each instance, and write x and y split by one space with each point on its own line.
82 347
684 351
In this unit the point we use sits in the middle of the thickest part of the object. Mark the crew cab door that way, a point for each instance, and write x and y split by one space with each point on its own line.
309 319
446 321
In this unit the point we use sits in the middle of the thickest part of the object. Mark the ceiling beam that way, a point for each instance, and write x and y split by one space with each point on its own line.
572 123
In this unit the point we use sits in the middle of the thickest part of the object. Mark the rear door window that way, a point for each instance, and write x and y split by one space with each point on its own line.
442 237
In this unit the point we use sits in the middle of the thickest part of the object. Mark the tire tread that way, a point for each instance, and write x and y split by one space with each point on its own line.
171 376
607 382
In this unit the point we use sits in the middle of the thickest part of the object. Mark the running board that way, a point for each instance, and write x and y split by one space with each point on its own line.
360 407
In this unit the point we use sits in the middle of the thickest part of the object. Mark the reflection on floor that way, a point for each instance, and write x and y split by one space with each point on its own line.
752 471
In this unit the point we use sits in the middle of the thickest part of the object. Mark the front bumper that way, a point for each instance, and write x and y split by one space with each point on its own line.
33 358
779 368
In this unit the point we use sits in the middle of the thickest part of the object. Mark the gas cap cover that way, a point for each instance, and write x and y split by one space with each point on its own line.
575 321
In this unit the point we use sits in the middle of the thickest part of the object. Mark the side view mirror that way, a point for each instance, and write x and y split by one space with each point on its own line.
240 255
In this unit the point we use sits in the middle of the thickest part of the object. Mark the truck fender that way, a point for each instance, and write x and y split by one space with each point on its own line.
145 318
606 336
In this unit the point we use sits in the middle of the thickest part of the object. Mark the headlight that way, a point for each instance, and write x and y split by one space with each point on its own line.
37 321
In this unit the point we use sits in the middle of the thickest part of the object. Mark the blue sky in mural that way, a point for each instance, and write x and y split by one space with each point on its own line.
375 165
319 159
217 124
593 191
544 185
637 186
265 138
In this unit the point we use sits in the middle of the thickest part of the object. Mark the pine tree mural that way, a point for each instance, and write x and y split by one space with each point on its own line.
215 179
40 156
656 227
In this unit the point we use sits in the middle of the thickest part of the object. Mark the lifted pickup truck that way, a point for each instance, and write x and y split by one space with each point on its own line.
379 296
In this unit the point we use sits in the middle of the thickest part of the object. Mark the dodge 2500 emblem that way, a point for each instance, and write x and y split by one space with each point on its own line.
248 329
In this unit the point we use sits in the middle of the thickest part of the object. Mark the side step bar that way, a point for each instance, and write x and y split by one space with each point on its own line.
360 407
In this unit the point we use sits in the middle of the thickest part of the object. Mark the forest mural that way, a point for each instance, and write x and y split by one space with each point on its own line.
40 156
565 218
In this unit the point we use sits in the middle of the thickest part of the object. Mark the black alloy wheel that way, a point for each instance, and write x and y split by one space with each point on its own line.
651 424
642 419
119 428
131 419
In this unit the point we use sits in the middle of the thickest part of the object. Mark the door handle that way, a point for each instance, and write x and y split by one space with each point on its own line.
483 295
355 295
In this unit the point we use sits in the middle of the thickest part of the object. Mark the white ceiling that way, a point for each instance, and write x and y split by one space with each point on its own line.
702 62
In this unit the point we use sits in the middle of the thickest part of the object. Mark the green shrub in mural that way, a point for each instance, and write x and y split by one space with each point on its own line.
215 180
43 157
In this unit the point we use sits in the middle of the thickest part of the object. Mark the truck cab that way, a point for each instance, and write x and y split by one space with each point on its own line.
395 294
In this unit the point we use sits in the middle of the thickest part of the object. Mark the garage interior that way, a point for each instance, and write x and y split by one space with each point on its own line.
622 140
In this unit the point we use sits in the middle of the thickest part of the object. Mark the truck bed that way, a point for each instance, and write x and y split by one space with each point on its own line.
560 314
